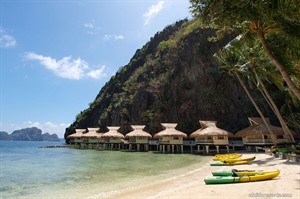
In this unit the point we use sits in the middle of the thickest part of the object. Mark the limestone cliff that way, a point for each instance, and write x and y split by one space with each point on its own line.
173 78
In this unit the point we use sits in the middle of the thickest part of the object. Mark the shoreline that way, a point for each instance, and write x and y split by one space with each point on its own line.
191 183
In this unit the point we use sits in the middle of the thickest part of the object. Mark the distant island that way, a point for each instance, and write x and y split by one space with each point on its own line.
28 134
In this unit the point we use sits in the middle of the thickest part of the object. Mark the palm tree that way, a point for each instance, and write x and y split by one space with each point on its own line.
275 22
269 99
252 58
230 62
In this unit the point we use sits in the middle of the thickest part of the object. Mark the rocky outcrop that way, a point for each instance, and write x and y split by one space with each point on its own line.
48 137
4 135
28 134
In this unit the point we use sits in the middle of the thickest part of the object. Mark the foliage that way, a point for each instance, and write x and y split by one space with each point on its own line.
275 22
251 61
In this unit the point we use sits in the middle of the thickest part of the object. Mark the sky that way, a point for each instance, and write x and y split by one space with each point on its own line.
57 54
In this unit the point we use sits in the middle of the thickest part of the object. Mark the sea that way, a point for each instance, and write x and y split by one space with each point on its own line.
27 171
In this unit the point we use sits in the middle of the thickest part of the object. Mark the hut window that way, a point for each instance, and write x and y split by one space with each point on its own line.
265 137
280 137
221 137
175 138
209 137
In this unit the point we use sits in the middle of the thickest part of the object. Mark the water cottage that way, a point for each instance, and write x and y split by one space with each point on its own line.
258 135
112 139
138 139
170 138
91 139
76 138
210 135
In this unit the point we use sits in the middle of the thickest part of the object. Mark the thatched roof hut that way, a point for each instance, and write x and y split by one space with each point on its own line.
209 128
170 131
138 132
257 127
113 133
92 132
78 133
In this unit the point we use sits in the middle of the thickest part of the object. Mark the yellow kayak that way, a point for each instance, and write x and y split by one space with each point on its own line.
237 159
246 178
227 156
258 177
235 172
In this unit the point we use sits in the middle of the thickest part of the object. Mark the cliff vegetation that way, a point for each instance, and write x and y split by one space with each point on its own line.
175 78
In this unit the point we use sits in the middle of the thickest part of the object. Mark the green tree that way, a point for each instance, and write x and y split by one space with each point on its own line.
275 22
257 67
250 60
234 65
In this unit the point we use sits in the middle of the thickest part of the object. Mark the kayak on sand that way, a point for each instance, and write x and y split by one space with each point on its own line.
243 178
235 172
219 163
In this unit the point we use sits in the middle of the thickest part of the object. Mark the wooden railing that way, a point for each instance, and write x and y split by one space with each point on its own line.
259 141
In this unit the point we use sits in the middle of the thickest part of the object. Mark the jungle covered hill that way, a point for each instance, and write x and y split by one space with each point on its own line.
176 78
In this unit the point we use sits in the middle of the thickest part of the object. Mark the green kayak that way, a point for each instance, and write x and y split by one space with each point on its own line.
219 163
238 179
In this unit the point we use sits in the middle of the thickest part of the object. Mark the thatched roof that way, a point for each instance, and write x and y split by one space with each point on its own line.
170 131
209 128
205 124
113 132
258 120
257 127
138 132
78 133
93 132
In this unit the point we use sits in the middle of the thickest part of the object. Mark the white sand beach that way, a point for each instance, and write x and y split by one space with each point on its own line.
191 184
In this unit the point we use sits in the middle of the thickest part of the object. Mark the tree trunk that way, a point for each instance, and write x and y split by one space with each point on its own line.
273 137
285 128
278 65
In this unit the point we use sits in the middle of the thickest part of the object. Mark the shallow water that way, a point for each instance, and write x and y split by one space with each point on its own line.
27 171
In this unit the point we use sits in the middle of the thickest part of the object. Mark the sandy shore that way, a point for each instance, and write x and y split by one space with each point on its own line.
191 184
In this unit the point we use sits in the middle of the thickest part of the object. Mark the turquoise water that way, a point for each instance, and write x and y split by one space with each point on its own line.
27 171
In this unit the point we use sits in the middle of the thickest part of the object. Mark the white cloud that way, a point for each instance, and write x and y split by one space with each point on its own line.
113 37
91 28
153 11
66 67
98 73
6 41
47 127
89 25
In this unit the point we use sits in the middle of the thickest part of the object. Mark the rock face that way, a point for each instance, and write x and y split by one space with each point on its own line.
173 78
4 135
48 137
28 134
